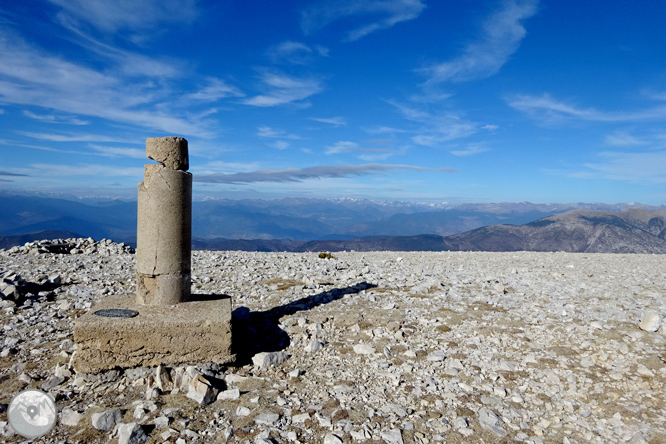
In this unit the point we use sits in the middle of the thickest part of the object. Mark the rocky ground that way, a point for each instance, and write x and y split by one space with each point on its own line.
360 347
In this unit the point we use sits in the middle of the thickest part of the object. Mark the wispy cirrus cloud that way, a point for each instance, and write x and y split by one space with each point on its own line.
316 172
335 121
55 119
13 144
279 145
75 89
501 35
215 89
273 133
219 166
436 127
110 151
73 137
635 167
297 53
126 62
551 110
384 130
470 150
622 138
112 16
282 89
376 14
48 170
363 153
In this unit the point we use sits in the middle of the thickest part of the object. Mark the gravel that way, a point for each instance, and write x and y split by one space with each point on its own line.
380 347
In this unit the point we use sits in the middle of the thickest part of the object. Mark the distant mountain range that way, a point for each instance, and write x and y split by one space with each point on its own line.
355 224
579 231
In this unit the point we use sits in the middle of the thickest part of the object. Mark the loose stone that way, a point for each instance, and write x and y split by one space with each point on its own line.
106 420
266 359
364 349
651 322
131 433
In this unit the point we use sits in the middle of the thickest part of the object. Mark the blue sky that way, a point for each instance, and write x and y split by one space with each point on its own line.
516 100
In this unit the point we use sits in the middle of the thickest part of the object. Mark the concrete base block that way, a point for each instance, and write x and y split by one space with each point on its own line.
188 332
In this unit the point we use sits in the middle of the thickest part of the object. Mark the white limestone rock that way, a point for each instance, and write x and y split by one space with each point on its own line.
330 438
131 433
69 417
268 419
651 322
106 420
490 421
264 360
201 390
393 436
229 395
314 346
364 349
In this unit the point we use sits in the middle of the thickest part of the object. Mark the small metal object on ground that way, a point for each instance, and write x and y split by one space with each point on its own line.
116 313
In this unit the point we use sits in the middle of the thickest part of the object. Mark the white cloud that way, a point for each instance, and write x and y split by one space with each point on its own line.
74 89
109 151
620 138
114 15
490 127
335 121
219 166
279 145
127 62
384 130
215 90
316 172
551 110
42 148
363 153
377 14
294 52
282 89
272 133
72 138
655 95
501 36
55 119
50 170
647 167
470 150
436 127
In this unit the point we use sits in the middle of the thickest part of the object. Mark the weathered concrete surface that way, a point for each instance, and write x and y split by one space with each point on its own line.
170 151
189 332
164 227
162 290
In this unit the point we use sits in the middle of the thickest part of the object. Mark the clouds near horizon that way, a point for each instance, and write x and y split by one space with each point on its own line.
315 172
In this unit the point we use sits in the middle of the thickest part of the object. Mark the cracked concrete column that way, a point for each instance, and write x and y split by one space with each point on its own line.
164 228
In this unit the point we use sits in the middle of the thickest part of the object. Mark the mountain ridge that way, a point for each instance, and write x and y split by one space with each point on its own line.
581 231
297 219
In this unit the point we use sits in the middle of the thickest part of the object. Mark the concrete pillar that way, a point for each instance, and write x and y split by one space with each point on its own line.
164 228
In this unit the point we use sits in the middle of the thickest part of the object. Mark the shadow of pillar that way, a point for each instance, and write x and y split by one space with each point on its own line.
259 331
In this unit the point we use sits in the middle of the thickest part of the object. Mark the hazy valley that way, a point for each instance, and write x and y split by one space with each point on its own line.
295 225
